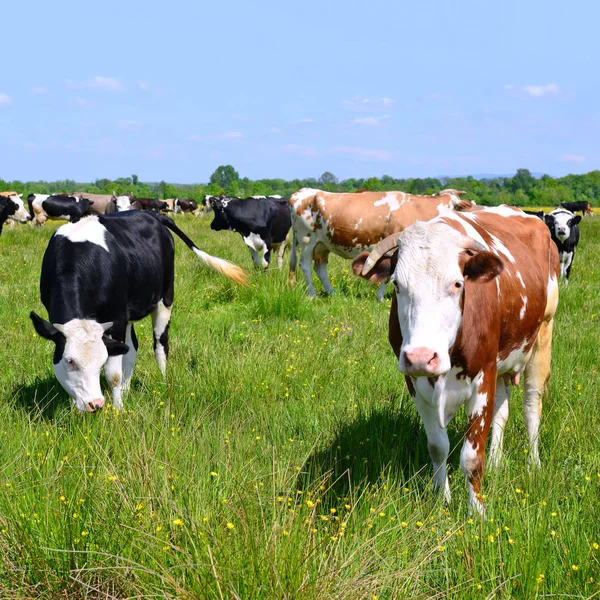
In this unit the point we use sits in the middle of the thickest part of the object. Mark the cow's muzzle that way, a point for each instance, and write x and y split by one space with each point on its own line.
95 405
421 362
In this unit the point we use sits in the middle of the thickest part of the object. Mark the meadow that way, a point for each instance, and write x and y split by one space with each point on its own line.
282 456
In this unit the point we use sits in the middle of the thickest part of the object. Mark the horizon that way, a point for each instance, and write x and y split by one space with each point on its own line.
284 92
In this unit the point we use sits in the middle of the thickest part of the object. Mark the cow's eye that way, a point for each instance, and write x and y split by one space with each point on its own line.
70 363
458 285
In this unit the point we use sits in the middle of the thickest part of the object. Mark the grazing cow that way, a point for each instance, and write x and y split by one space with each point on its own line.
582 205
565 234
184 205
263 224
151 204
475 297
536 213
70 208
99 276
348 224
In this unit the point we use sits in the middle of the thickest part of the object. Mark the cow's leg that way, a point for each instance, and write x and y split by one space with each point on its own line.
321 258
499 422
537 373
281 253
266 250
438 444
381 292
113 372
255 257
568 263
479 411
130 357
293 259
305 260
161 318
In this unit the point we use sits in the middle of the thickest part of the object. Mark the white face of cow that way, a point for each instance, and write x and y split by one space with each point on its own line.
562 223
81 351
429 285
123 203
83 357
21 215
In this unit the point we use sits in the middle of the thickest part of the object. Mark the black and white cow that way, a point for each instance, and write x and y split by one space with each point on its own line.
184 205
118 204
262 223
151 204
535 213
582 205
12 208
565 234
99 276
58 206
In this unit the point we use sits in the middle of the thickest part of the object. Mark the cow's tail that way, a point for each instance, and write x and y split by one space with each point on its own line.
221 265
293 258
30 204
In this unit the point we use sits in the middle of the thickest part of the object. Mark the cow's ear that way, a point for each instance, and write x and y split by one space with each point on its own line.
45 328
549 219
574 220
114 348
382 270
483 267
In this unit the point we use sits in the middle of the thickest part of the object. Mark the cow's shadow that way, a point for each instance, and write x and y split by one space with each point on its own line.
386 445
42 399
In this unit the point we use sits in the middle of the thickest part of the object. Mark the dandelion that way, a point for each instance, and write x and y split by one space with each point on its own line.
214 474
490 538
75 515
310 504
419 524
595 546
511 541
230 526
540 578
84 533
574 567
158 528
178 522
553 533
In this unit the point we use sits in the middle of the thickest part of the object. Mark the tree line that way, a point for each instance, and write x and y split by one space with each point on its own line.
523 189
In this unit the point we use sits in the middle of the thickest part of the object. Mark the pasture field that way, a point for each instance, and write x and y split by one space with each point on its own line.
282 456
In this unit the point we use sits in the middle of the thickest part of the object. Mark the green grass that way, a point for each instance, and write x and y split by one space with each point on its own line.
282 456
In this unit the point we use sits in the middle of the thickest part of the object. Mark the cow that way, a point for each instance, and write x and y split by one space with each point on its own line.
184 205
118 204
263 224
99 201
99 276
536 213
473 308
582 205
12 209
565 234
60 206
348 224
151 204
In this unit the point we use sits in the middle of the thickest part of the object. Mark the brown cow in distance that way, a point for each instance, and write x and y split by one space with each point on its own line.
348 224
474 303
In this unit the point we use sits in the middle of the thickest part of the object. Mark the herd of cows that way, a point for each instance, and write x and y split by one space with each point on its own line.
475 292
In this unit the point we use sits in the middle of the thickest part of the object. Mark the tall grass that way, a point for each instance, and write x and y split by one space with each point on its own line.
282 456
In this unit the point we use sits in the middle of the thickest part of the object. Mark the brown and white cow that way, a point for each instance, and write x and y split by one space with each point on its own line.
348 224
100 201
475 297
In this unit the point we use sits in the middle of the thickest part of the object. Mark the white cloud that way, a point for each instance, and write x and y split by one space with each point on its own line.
39 89
274 130
231 135
96 83
5 100
127 124
371 120
304 121
537 91
143 85
307 151
363 153
360 104
572 158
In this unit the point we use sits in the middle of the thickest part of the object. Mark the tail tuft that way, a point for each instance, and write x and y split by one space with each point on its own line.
224 267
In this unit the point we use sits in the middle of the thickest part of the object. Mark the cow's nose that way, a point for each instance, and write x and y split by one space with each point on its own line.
421 361
96 404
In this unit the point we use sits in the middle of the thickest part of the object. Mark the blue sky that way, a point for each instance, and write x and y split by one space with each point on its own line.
170 90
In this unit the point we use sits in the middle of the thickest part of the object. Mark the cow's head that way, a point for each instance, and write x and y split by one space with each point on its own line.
220 222
81 349
20 214
429 272
560 223
122 203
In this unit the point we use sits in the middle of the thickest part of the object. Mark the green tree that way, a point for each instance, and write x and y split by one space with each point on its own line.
328 177
224 176
134 180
